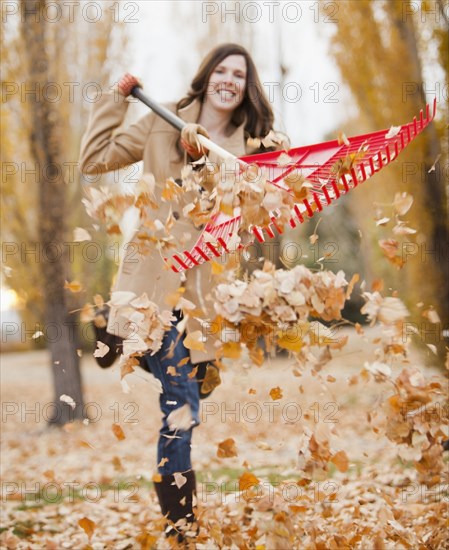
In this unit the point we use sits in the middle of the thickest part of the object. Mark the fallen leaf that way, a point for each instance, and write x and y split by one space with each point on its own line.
88 526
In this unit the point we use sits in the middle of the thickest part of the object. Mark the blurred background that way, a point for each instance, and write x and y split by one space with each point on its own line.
327 67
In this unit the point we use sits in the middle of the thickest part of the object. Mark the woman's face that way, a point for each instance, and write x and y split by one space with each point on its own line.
227 83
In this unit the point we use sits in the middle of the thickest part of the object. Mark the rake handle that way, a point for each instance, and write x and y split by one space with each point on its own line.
178 123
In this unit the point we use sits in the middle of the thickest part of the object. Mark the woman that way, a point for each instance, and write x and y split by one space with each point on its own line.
227 102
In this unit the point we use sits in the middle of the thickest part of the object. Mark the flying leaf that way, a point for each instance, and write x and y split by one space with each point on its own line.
74 286
180 480
211 379
80 234
227 448
118 432
247 480
102 349
67 399
402 203
341 461
276 393
194 341
393 132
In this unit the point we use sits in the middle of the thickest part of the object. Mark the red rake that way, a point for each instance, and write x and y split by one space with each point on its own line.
318 164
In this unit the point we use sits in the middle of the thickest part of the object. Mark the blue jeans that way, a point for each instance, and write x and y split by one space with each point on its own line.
177 391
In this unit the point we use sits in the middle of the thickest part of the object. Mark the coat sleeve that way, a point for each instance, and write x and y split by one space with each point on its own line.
102 147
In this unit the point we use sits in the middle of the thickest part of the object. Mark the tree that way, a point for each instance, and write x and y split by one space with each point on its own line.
43 119
381 48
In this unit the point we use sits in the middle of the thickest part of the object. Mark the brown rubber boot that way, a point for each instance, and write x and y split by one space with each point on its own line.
177 506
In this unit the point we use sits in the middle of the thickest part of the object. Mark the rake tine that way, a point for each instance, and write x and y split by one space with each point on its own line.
409 135
427 113
201 253
336 189
190 257
362 169
415 125
326 194
298 214
421 119
379 158
180 261
308 207
317 202
213 249
345 183
387 149
354 177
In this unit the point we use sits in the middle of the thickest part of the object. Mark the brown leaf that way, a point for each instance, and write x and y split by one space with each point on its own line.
88 526
247 480
118 432
276 393
211 380
74 286
227 448
341 461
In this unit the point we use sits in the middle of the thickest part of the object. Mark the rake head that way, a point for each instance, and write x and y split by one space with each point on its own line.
332 168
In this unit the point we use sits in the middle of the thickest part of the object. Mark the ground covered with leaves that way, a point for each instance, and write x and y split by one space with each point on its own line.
312 459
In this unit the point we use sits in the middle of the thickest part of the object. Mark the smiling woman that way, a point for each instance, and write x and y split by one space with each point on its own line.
227 102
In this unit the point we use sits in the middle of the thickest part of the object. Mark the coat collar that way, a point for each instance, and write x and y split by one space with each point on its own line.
235 143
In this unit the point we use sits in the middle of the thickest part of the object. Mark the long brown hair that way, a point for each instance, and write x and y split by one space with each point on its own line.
255 106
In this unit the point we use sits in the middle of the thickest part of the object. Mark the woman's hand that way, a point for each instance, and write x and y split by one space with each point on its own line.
190 142
127 83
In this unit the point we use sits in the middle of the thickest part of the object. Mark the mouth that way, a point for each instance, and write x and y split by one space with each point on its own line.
227 95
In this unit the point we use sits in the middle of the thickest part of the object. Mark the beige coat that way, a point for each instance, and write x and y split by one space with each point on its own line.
105 147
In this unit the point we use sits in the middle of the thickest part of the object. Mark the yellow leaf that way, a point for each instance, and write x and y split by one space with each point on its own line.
227 448
88 526
287 342
172 371
118 432
276 393
217 268
74 286
194 341
231 350
86 444
193 373
211 380
171 190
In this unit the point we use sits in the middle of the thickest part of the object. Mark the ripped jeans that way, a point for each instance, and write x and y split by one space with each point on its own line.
174 445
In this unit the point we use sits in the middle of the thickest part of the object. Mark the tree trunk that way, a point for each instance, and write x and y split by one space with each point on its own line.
60 325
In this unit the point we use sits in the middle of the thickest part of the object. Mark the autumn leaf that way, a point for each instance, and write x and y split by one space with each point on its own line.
276 393
227 448
402 203
172 190
211 380
74 286
247 480
67 399
172 371
341 461
102 349
80 234
194 341
118 432
88 526
180 480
